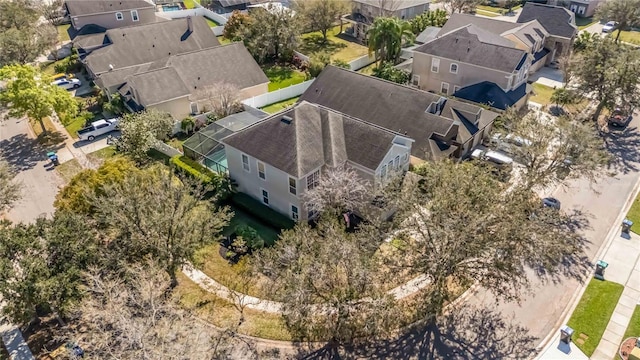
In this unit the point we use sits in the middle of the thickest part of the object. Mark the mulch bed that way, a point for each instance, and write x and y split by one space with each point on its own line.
626 347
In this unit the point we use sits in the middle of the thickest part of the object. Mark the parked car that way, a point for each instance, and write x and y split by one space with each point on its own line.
609 27
62 76
68 84
551 202
620 118
498 163
98 128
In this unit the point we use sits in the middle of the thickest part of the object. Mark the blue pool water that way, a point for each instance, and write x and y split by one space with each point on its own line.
166 8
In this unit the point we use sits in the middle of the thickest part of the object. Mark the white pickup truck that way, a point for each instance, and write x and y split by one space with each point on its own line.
98 128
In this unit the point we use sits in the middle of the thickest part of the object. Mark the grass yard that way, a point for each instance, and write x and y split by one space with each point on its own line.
75 125
541 94
223 40
282 76
189 4
486 13
495 9
69 169
48 68
211 22
101 155
267 233
63 32
337 47
592 314
632 37
274 108
633 330
583 23
368 70
222 313
634 215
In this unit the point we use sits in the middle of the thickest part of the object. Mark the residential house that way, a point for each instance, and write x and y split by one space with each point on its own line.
109 14
473 64
227 6
582 8
559 22
365 11
441 127
186 83
281 157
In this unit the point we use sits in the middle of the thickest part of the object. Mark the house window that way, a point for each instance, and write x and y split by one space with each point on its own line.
453 68
456 88
396 162
261 173
119 16
415 80
444 88
435 65
194 108
265 196
293 187
383 172
245 163
134 15
294 212
313 180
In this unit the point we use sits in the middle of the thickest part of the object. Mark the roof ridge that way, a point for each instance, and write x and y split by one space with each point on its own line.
205 49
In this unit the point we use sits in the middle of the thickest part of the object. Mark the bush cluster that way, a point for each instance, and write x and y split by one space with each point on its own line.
265 214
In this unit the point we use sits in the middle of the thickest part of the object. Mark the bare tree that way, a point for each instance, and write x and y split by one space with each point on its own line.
340 189
9 188
223 99
51 11
461 6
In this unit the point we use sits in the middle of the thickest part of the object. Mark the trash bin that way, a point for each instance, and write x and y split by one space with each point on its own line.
600 267
626 225
565 334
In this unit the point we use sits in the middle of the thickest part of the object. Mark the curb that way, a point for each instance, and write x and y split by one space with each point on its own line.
577 295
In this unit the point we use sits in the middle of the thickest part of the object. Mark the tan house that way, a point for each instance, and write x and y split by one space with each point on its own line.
582 8
110 14
186 84
559 22
365 11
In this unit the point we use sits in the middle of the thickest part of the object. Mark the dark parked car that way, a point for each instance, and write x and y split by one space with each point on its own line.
620 118
551 202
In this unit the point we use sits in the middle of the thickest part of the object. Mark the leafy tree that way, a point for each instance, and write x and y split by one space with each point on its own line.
386 37
78 194
625 12
389 72
42 265
430 18
320 14
140 131
555 150
319 61
29 92
608 73
563 96
152 214
236 26
461 6
115 105
340 189
272 34
329 282
51 11
459 226
584 40
510 4
9 189
22 39
188 124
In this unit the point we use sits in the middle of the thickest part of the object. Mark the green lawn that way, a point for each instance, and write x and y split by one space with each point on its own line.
486 13
541 94
282 76
628 36
495 9
267 233
102 154
634 215
189 4
633 330
74 126
211 22
592 314
63 34
583 23
69 169
368 70
338 48
274 108
223 40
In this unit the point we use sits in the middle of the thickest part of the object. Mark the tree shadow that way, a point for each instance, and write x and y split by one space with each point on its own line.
465 333
623 146
315 43
277 73
21 152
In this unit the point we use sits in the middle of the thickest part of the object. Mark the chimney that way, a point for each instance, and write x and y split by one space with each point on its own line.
189 24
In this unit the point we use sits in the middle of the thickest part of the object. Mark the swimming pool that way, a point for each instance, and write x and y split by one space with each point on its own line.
166 8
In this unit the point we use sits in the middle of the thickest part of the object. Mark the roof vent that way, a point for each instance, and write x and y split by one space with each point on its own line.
287 119
110 67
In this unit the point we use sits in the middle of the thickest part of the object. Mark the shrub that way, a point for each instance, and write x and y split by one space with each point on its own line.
188 124
265 214
188 167
250 236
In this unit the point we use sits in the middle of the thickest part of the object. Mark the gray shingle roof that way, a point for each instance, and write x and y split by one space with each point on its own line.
88 7
457 21
395 107
156 86
428 34
557 20
473 45
315 137
395 4
141 44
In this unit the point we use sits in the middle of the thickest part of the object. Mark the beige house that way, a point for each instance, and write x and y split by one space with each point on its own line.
110 14
559 23
188 83
283 156
582 8
365 11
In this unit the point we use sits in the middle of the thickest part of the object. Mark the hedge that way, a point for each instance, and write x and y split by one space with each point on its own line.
186 166
263 213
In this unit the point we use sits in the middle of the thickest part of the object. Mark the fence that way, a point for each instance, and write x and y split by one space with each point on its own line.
361 62
198 11
278 95
166 149
300 55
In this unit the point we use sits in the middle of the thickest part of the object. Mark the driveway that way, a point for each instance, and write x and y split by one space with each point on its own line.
28 158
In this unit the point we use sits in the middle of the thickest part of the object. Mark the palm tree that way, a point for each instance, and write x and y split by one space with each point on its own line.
625 12
386 37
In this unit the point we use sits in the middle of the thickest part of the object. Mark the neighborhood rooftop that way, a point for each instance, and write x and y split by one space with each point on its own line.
394 5
142 44
557 20
90 7
398 108
308 136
